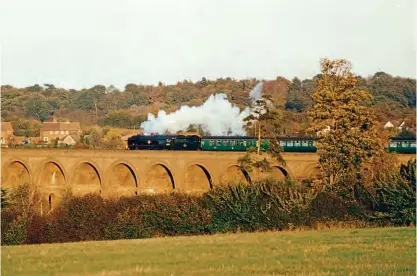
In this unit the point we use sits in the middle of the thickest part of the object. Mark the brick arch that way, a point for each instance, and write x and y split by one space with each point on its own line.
159 178
311 170
113 188
5 171
227 174
92 164
91 185
279 173
58 164
284 170
53 201
197 178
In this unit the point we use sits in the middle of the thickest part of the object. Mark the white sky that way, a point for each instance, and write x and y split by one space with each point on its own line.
76 44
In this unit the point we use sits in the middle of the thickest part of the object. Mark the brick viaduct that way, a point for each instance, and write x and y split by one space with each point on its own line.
117 173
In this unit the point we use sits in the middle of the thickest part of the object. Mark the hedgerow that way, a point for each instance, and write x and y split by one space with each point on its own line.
264 205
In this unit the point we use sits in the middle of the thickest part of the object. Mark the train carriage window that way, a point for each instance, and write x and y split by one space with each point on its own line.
290 143
225 142
218 143
297 143
233 143
413 144
304 143
310 143
282 143
393 145
244 143
211 143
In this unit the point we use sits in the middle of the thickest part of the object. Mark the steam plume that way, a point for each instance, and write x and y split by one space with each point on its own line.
216 116
256 93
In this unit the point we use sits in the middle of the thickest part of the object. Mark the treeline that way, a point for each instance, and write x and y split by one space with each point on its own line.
265 205
394 98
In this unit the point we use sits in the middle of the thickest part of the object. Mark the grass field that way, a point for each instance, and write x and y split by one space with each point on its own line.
383 251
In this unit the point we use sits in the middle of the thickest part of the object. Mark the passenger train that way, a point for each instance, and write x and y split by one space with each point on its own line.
243 143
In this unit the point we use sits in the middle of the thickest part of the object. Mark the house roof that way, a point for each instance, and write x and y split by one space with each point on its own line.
48 126
67 137
388 124
6 126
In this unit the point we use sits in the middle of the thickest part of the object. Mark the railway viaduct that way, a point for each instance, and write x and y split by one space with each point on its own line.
114 173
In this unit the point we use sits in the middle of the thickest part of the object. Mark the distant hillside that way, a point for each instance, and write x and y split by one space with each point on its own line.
394 99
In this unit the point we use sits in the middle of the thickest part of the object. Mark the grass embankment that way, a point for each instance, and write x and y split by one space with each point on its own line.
379 251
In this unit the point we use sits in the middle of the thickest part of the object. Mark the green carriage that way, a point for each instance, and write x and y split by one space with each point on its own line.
231 143
298 144
402 145
243 143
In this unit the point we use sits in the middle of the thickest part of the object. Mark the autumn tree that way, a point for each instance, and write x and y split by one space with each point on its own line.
351 137
264 121
37 108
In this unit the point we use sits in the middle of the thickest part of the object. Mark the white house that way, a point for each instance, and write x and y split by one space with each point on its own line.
324 131
388 124
67 140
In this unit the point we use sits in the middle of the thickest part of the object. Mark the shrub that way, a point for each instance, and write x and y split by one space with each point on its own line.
396 201
16 232
264 205
23 203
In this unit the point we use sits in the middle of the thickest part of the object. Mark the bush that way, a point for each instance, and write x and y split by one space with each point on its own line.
16 232
396 201
265 205
16 216
260 206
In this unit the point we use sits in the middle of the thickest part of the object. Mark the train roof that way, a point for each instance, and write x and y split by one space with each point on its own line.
283 138
403 138
152 136
255 137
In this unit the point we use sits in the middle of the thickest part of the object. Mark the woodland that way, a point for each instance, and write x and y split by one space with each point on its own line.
394 99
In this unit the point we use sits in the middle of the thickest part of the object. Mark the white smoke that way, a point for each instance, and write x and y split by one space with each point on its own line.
256 93
217 116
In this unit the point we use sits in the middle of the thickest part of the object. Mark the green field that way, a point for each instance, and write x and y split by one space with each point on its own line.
383 251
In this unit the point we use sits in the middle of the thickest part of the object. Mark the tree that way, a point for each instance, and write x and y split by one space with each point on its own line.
112 140
3 198
265 121
352 138
119 118
34 88
38 109
408 172
299 98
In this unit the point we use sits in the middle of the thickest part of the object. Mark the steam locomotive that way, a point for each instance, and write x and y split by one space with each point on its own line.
244 143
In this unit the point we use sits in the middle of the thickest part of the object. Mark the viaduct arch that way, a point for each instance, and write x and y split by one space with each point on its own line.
124 173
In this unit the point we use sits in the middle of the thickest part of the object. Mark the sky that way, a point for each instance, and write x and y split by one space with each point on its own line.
78 44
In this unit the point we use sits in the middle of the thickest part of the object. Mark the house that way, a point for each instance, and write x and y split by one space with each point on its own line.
67 140
7 133
388 125
402 126
52 130
324 131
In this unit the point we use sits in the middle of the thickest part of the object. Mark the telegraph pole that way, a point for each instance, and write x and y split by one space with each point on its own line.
259 137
